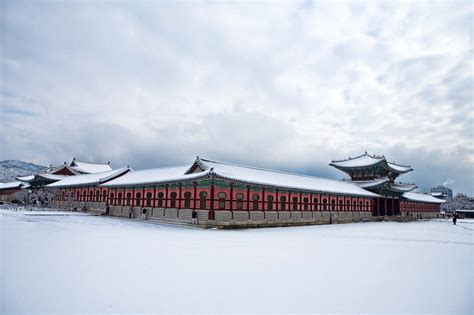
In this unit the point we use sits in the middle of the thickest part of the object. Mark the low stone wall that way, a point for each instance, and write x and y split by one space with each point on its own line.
238 218
425 215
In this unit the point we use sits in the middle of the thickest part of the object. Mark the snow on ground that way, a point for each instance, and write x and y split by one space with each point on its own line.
91 264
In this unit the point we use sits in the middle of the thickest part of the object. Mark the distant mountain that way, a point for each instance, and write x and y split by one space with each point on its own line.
9 169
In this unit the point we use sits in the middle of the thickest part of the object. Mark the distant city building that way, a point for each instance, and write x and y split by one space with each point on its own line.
442 192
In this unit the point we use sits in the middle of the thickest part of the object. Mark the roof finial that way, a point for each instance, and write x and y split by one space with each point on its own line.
64 163
108 162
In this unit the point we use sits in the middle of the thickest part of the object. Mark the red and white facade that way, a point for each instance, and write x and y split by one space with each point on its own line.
228 194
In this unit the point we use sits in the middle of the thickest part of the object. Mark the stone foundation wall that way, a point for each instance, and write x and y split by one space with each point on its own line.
425 215
230 219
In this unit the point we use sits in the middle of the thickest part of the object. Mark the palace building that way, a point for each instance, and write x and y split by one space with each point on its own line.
53 174
376 174
225 194
8 190
50 175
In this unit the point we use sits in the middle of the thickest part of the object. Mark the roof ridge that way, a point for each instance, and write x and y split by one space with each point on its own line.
108 171
264 169
80 161
156 168
378 157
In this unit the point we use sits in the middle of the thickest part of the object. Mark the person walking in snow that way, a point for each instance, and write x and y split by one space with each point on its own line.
455 218
144 211
130 212
194 217
107 210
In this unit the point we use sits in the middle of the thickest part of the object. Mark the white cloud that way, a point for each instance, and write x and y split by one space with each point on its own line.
287 85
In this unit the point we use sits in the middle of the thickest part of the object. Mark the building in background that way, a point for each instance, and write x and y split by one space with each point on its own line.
55 173
7 190
442 192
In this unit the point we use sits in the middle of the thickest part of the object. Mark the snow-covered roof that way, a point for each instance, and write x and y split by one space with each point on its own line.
89 168
422 197
259 176
246 174
89 179
359 161
25 178
10 185
437 194
402 187
399 168
31 178
58 168
464 210
371 183
52 176
366 160
154 176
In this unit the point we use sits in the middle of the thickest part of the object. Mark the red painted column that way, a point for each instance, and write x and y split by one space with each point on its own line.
248 198
212 197
301 208
277 205
231 201
290 202
211 212
179 197
393 205
194 195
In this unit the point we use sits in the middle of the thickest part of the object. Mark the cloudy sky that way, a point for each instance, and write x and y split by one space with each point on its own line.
274 84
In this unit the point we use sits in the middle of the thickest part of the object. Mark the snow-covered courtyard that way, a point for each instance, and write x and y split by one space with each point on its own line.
88 264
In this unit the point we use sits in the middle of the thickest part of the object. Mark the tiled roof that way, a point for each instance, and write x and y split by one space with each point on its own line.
89 179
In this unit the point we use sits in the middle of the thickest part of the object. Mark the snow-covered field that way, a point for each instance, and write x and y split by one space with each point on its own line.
88 264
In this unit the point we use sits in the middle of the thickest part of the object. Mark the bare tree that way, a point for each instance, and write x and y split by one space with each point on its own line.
41 197
24 196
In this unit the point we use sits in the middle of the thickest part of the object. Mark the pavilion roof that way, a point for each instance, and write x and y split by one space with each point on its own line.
371 183
88 167
414 196
89 179
365 160
401 187
384 182
399 168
